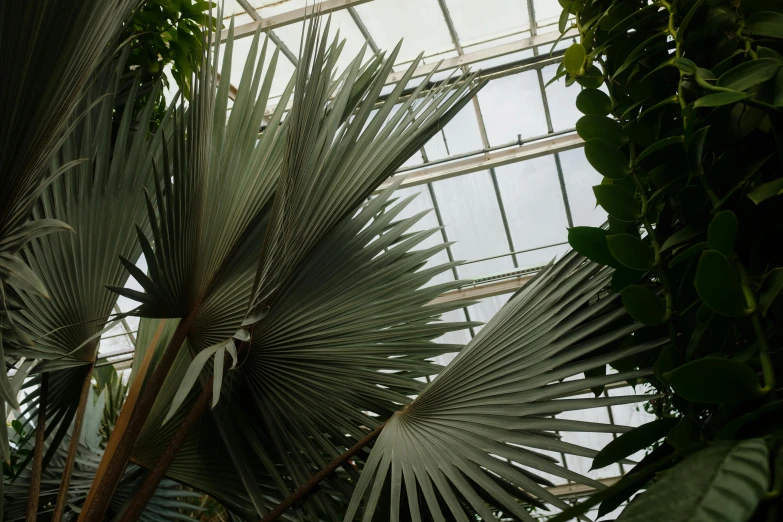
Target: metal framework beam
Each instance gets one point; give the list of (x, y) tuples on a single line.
[(293, 16), (466, 59), (497, 51), (574, 490), (489, 160), (480, 291)]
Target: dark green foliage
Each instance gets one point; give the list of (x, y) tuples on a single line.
[(163, 32), (688, 134)]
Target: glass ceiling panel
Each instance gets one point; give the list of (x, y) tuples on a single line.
[(418, 22), (547, 11), (534, 205), (500, 60), (472, 217), (561, 100), (291, 35), (479, 21), (512, 106), (420, 203), (580, 177), (461, 135)]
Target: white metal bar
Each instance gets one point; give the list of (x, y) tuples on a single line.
[(485, 54), (470, 58), (489, 160), (293, 16), (505, 286)]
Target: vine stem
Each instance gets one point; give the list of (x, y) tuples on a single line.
[(766, 360), (34, 491)]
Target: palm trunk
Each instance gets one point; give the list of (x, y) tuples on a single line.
[(73, 447), (305, 488), (40, 437), (144, 493), (132, 418)]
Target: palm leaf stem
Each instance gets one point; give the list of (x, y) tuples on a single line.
[(146, 490), (73, 446), (40, 437), (305, 488), (129, 423)]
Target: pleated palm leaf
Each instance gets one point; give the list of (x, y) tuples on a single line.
[(50, 50), (102, 199), (166, 504), (468, 442), (349, 334), (213, 215)]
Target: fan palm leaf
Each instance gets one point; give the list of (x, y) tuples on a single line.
[(165, 505), (349, 334), (209, 230), (40, 91), (474, 431), (64, 329)]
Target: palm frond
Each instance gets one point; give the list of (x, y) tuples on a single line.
[(350, 334), (41, 90), (165, 506), (477, 426), (63, 330)]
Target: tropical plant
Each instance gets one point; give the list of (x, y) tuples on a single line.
[(266, 240), (162, 34), (167, 503), (681, 105)]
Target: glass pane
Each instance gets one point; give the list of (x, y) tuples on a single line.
[(534, 205), (461, 135), (423, 203), (472, 219), (418, 22), (547, 11), (479, 21), (512, 106), (342, 22), (561, 101), (580, 177)]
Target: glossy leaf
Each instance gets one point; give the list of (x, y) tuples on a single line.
[(591, 243), (714, 380), (748, 74), (607, 159), (765, 23), (643, 305), (720, 98), (618, 202), (722, 232), (630, 251), (632, 441), (724, 481), (593, 126), (719, 285), (761, 193), (574, 58), (593, 101)]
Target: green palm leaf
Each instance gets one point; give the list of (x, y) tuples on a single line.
[(165, 505), (40, 91), (64, 329), (350, 334), (489, 407)]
